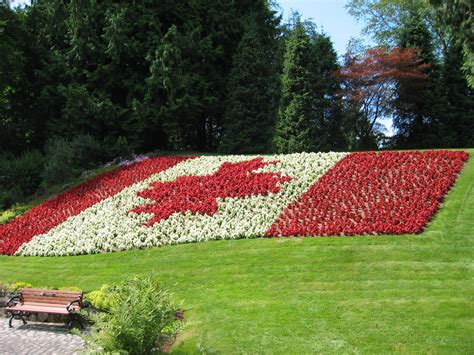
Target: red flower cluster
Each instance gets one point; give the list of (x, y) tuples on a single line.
[(198, 194), (373, 193), (46, 216)]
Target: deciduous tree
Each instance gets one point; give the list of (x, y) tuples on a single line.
[(369, 87)]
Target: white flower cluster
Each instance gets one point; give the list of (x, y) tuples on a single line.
[(109, 226)]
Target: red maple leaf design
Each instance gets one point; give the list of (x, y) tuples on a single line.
[(198, 194)]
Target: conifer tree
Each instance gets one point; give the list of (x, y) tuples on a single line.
[(294, 130), (310, 118), (328, 115), (456, 124), (250, 111), (417, 100), (19, 124)]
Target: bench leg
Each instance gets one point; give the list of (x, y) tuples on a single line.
[(74, 318), (15, 315), (70, 321), (80, 322)]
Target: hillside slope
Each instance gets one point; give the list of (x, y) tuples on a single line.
[(172, 200), (406, 293)]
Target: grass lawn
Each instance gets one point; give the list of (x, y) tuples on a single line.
[(409, 293)]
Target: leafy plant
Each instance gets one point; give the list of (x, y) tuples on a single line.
[(66, 159), (87, 151), (26, 171), (59, 162), (139, 320), (100, 299), (19, 176), (70, 288), (8, 196), (4, 289), (122, 149), (17, 286), (15, 211)]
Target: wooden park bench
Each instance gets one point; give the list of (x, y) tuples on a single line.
[(34, 300)]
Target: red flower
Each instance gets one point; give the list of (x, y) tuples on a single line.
[(199, 194), (48, 215), (373, 193)]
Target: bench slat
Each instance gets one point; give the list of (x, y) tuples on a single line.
[(52, 293), (53, 305), (43, 299), (38, 309), (35, 300)]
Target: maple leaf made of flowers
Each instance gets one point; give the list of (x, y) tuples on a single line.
[(199, 194)]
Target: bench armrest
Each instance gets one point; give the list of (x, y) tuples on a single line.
[(11, 301), (79, 303)]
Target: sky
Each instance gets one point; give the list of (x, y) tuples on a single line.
[(329, 16)]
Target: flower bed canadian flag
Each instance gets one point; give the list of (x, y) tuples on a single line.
[(167, 200)]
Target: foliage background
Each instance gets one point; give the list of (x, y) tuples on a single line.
[(83, 82)]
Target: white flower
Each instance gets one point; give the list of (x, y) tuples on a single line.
[(110, 226)]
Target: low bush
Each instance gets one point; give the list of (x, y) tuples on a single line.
[(88, 152), (65, 159), (4, 289), (60, 165), (9, 196), (100, 299), (139, 319), (17, 286), (15, 211), (26, 171), (19, 176), (117, 148), (122, 149)]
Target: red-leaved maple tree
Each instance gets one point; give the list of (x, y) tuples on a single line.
[(369, 82)]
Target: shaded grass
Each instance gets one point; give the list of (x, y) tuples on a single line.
[(410, 293)]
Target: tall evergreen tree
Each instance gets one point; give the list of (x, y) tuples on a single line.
[(294, 130), (327, 115), (153, 72), (250, 106), (456, 19), (456, 122), (417, 101), (20, 128), (310, 118)]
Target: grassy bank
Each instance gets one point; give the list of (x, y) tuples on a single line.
[(410, 293)]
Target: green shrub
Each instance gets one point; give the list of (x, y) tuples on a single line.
[(122, 148), (26, 171), (100, 299), (118, 148), (6, 216), (87, 151), (17, 286), (60, 165), (140, 317), (19, 177), (5, 289), (9, 196), (65, 159), (15, 211)]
